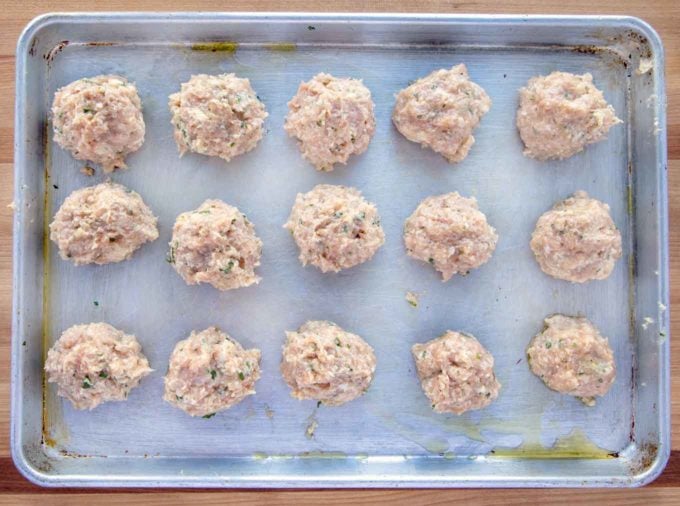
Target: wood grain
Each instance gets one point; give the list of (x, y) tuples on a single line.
[(663, 15), (656, 496)]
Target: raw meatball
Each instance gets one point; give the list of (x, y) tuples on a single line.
[(95, 363), (441, 111), (571, 357), (456, 373), (215, 244), (577, 240), (332, 119), (560, 114), (99, 119), (209, 372), (217, 116), (323, 362), (335, 227), (450, 233), (102, 224)]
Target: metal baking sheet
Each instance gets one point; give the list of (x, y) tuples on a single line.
[(530, 436)]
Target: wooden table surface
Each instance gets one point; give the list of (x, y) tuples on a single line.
[(663, 15)]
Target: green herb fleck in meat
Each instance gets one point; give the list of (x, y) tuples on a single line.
[(170, 257), (228, 268)]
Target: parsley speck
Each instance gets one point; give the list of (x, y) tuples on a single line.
[(228, 268)]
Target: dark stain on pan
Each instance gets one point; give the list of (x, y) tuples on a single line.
[(75, 455), (47, 205), (646, 456), (615, 57), (631, 436), (588, 49), (101, 43), (627, 44), (35, 456), (638, 39), (49, 56), (31, 51), (633, 374)]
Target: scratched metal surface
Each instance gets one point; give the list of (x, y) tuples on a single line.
[(390, 436)]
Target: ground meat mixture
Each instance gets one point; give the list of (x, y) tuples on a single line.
[(441, 111), (456, 373), (577, 240), (95, 363), (450, 233), (332, 119), (335, 227), (217, 116), (99, 119), (210, 372), (571, 357), (323, 362), (102, 224), (215, 244), (560, 114)]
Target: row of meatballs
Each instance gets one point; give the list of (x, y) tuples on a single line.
[(99, 119), (210, 372), (335, 228)]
